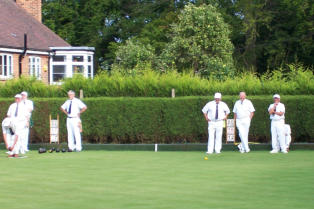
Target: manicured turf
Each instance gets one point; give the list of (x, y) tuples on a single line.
[(129, 179)]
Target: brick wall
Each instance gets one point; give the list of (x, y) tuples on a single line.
[(16, 65), (44, 69), (33, 7), (25, 67)]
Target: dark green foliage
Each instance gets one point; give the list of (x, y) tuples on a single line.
[(163, 120), (266, 34)]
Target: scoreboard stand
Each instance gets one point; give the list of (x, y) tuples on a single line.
[(230, 131)]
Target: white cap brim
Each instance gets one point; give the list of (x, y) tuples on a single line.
[(24, 93), (217, 95), (276, 96)]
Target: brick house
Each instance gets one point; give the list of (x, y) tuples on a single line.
[(29, 48)]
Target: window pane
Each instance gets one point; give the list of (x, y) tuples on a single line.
[(77, 69), (59, 69), (5, 65), (1, 57), (77, 58), (38, 71), (89, 58), (90, 71), (58, 58), (10, 65), (58, 72), (57, 77)]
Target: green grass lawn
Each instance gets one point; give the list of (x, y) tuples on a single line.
[(130, 179)]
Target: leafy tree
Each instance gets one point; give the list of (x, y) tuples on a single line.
[(62, 16), (289, 36), (200, 40), (266, 34), (134, 53)]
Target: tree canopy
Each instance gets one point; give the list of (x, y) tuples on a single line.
[(266, 34), (200, 41)]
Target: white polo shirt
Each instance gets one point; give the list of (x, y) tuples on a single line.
[(29, 104), (76, 107), (20, 109), (280, 108), (210, 110), (243, 108)]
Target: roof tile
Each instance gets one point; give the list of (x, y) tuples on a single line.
[(15, 22)]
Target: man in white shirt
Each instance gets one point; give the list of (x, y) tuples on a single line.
[(19, 117), (277, 116), (73, 108), (215, 112), (243, 112), (10, 138), (29, 107)]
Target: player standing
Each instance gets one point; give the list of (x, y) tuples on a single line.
[(73, 108), (215, 112)]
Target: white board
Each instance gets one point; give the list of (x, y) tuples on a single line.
[(230, 131), (54, 131)]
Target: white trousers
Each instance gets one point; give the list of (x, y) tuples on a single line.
[(17, 147), (21, 131), (24, 139), (278, 140), (243, 126), (287, 135), (74, 135), (214, 136)]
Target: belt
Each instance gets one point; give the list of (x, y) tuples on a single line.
[(72, 117), (215, 120), (277, 120), (244, 118)]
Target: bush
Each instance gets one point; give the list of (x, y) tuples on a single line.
[(134, 53), (163, 120), (200, 41), (149, 83)]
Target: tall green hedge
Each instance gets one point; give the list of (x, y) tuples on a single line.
[(148, 83), (163, 120)]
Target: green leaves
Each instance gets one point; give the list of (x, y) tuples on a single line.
[(143, 81), (200, 40), (134, 53), (163, 120)]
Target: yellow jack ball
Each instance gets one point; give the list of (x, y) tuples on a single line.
[(205, 158)]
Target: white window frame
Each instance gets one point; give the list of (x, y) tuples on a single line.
[(58, 63), (34, 67), (8, 66), (69, 63)]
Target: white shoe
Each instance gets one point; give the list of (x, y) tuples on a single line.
[(274, 151), (209, 153), (285, 152), (247, 151), (240, 148), (218, 152)]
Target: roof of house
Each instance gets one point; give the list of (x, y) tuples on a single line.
[(15, 22)]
